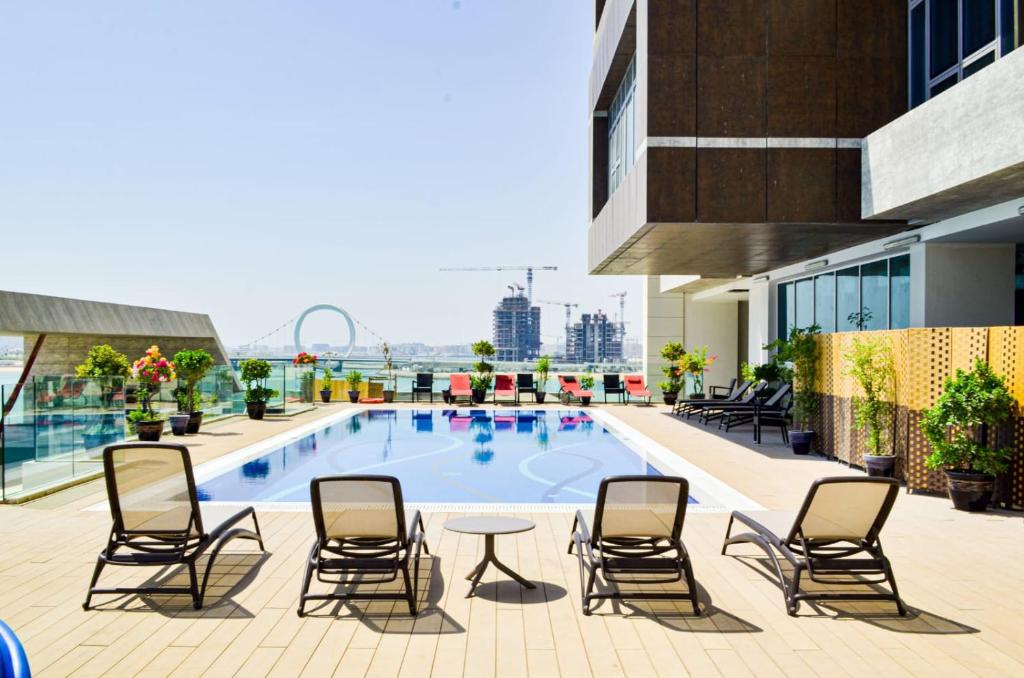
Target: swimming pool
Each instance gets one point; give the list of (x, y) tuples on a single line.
[(459, 457)]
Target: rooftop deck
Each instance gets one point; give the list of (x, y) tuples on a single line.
[(959, 573)]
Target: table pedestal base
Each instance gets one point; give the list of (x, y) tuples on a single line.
[(490, 559)]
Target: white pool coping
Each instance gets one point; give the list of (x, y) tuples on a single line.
[(712, 494)]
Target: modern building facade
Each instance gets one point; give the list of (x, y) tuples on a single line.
[(766, 164), (594, 339), (516, 329)]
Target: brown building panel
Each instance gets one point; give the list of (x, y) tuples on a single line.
[(730, 185), (671, 183), (802, 27), (671, 95), (801, 185), (730, 96), (801, 96), (867, 95), (848, 184), (672, 27), (730, 27)]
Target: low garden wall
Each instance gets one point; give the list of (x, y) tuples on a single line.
[(923, 359)]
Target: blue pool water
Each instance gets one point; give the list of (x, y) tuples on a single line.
[(448, 456)]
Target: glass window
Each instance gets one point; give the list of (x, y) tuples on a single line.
[(874, 295), (943, 85), (979, 64), (942, 32), (825, 302), (621, 133), (918, 77), (805, 302), (1007, 22), (899, 292), (979, 24), (847, 299), (786, 310)]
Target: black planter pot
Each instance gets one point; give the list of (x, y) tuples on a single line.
[(389, 396), (195, 420), (446, 395), (585, 400), (670, 398), (801, 441), (353, 396), (179, 424), (149, 431), (540, 397), (325, 395), (970, 491), (696, 396), (880, 466), (479, 395), (256, 410)]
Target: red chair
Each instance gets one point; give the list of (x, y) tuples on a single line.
[(505, 388), (461, 388), (635, 388), (569, 388)]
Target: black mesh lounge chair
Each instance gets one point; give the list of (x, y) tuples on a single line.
[(756, 397), (424, 384), (685, 406), (722, 392), (773, 412), (157, 522), (633, 537), (524, 384), (362, 538), (834, 538), (613, 385)]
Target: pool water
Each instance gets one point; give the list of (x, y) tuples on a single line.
[(445, 456)]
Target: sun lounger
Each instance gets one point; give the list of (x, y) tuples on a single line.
[(504, 388), (722, 392), (633, 537), (635, 388), (362, 538), (461, 387), (157, 521), (834, 538), (773, 412), (739, 394), (569, 388)]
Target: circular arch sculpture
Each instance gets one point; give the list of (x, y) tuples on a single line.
[(327, 307)]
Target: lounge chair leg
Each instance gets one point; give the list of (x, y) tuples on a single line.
[(411, 597), (197, 597), (887, 569), (92, 584), (306, 579), (792, 604), (728, 531), (691, 584), (572, 535)]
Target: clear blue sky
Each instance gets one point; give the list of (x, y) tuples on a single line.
[(248, 159)]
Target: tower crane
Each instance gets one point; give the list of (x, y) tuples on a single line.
[(622, 312), (513, 287), (529, 273), (568, 318)]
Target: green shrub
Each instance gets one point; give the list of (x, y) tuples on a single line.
[(255, 373), (870, 363), (103, 361), (354, 378), (672, 352), (191, 366)]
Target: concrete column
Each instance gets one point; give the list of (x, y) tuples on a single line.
[(759, 323), (962, 284), (662, 322)]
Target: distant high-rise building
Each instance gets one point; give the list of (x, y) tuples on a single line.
[(516, 329), (594, 339)]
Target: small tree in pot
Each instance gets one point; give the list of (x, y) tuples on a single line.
[(696, 363), (354, 378), (149, 372), (481, 381), (326, 387), (870, 363), (307, 377), (800, 352), (672, 352), (108, 367), (957, 426), (255, 373), (543, 370), (586, 384), (389, 385), (192, 366)]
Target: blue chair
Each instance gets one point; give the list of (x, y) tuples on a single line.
[(13, 661)]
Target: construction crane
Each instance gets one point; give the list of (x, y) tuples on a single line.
[(622, 312), (513, 287), (529, 273), (568, 318)]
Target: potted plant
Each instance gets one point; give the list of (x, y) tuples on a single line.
[(389, 385), (307, 375), (325, 385), (957, 427), (108, 367), (543, 370), (800, 351), (255, 373), (672, 352), (354, 378), (192, 366), (870, 363), (696, 363), (149, 372), (481, 381), (586, 383)]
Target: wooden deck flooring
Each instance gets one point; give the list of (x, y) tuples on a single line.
[(961, 575)]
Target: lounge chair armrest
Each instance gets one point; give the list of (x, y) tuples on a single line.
[(216, 532), (582, 527), (415, 534)]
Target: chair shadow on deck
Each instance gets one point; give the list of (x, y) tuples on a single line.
[(771, 442), (232, 573), (391, 616), (881, 614)]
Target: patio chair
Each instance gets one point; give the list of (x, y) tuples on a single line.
[(157, 521), (424, 384), (362, 538), (635, 388), (688, 407), (613, 385), (722, 392), (716, 409), (504, 388), (633, 537), (13, 660), (834, 538), (461, 387), (773, 412), (569, 387), (524, 384)]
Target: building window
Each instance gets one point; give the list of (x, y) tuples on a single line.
[(951, 40), (871, 296), (621, 130)]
